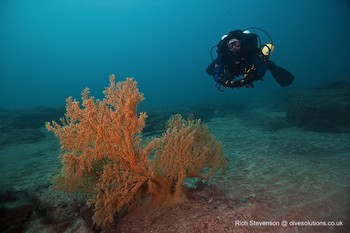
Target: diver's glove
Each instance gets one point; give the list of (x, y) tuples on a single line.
[(252, 77), (225, 79), (234, 83)]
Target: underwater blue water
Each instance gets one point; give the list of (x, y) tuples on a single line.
[(50, 49)]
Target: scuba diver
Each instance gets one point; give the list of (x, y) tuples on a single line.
[(241, 61)]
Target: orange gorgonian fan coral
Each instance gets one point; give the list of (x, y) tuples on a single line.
[(103, 154), (186, 149)]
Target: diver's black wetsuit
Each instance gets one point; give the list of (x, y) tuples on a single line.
[(248, 61)]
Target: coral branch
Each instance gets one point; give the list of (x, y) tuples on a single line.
[(101, 148), (187, 149)]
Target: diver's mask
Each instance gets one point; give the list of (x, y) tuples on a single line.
[(234, 45)]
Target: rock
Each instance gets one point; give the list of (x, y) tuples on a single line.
[(23, 125), (28, 118), (58, 208), (13, 219), (15, 211), (322, 109), (18, 136)]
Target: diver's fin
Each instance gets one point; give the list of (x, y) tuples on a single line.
[(282, 76), (210, 69)]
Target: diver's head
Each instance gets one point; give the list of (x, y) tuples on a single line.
[(234, 45)]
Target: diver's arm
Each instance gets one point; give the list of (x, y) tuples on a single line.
[(257, 73), (224, 78), (218, 70), (260, 65)]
